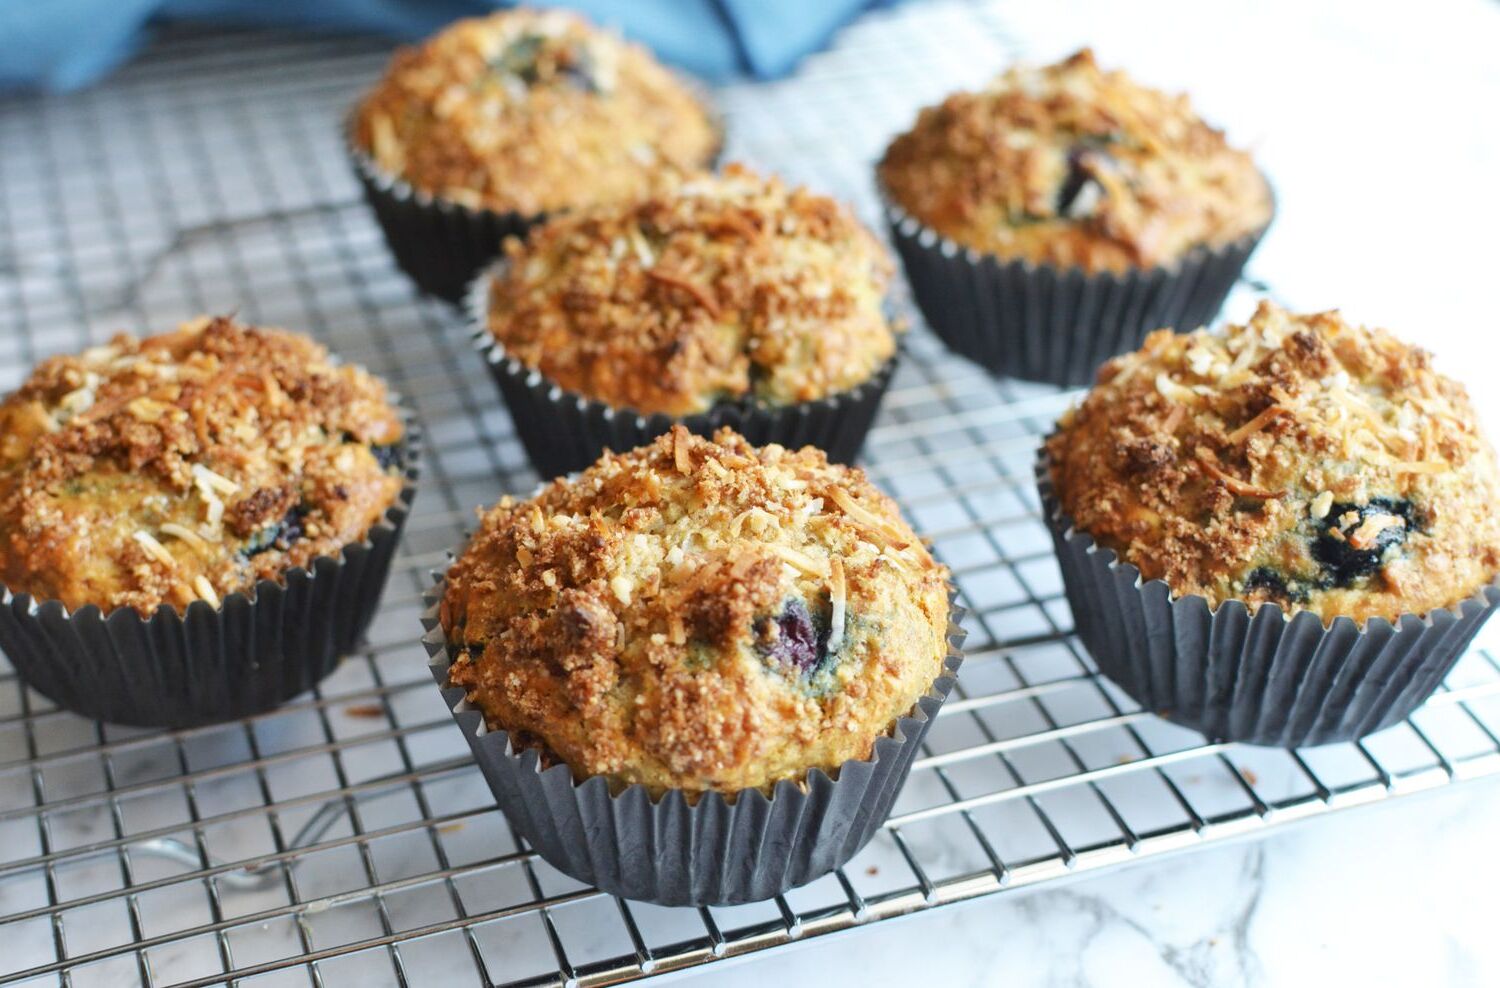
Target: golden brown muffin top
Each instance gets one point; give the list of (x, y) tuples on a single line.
[(1070, 165), (1295, 459), (532, 111), (187, 466), (728, 286), (699, 615)]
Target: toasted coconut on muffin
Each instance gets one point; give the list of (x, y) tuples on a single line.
[(189, 465), (698, 614), (724, 287), (531, 112), (1069, 165), (1296, 459)]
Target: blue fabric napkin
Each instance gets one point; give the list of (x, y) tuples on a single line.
[(64, 44)]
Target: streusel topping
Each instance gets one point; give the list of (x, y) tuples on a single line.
[(187, 466), (1070, 165), (726, 287), (1296, 459), (532, 112), (698, 614)]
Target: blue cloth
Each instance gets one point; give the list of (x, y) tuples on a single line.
[(64, 44)]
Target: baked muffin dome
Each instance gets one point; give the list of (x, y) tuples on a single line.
[(1295, 459), (188, 466), (1069, 165), (726, 287), (698, 614), (531, 111)]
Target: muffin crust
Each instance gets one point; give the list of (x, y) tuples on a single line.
[(531, 111), (1072, 166), (1297, 459), (188, 466), (726, 287), (698, 614)]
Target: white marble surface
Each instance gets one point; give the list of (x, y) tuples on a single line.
[(1393, 895), (1377, 122)]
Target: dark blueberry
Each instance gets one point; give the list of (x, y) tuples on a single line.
[(1342, 563), (519, 58), (579, 72), (278, 535), (760, 379), (1082, 160), (388, 455), (1274, 584), (522, 59), (794, 637)]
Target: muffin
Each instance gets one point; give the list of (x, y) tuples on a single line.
[(170, 499), (726, 300), (1051, 219), (1310, 507), (497, 121), (747, 640)]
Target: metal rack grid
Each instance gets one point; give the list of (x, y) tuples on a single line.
[(347, 838)]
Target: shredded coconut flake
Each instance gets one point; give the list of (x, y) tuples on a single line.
[(836, 594), (155, 549), (206, 478), (798, 560), (184, 533), (205, 589)]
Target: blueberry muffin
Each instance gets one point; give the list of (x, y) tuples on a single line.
[(1051, 219), (1073, 166), (726, 287), (698, 615), (727, 290), (1296, 459), (531, 112), (187, 466)]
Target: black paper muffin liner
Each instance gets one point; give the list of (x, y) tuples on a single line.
[(210, 664), (1263, 677), (442, 244), (439, 243), (1050, 324), (563, 431), (715, 851)]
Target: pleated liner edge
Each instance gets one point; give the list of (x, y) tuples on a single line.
[(563, 431), (208, 665), (1261, 678), (442, 244), (713, 852), (1049, 324)]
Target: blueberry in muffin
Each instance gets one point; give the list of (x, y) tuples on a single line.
[(726, 290), (187, 466), (498, 120), (195, 526), (1074, 166), (1298, 461), (1023, 208), (1295, 459), (532, 112), (698, 615)]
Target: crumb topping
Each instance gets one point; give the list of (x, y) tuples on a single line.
[(532, 111), (1296, 459), (187, 466), (698, 614), (727, 287), (1070, 165)]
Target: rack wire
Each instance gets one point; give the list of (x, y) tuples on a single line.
[(346, 838)]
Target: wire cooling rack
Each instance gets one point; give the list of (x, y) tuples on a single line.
[(347, 838)]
